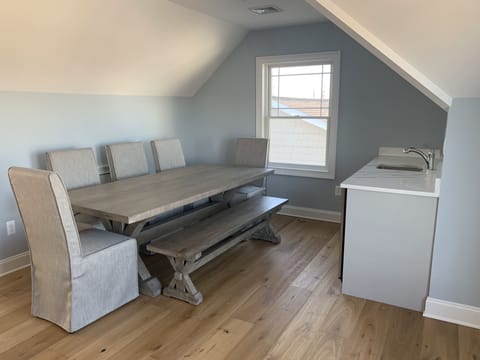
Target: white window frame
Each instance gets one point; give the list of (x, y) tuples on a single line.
[(262, 105)]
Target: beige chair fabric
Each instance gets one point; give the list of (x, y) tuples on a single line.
[(126, 160), (76, 277), (77, 168), (251, 152), (168, 154)]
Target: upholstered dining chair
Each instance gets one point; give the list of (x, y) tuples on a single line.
[(76, 277), (251, 152), (126, 160), (77, 168), (168, 154)]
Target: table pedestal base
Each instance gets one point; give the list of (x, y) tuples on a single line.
[(150, 287), (266, 233)]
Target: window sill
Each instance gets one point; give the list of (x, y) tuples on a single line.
[(318, 174)]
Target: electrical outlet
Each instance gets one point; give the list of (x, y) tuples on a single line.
[(338, 191), (11, 229)]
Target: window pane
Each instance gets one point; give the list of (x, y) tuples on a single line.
[(301, 86), (275, 71), (300, 91), (296, 70), (276, 112), (298, 141), (326, 88)]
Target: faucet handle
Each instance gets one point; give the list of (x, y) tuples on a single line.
[(431, 155)]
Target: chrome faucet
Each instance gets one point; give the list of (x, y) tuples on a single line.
[(428, 157)]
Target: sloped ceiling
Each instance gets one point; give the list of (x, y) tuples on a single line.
[(127, 47), (237, 12), (432, 43), (161, 48)]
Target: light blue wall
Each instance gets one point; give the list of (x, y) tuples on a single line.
[(456, 265), (377, 107), (34, 123)]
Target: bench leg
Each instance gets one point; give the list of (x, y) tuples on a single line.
[(181, 286), (268, 234)]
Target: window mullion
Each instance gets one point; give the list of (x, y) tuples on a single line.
[(268, 103)]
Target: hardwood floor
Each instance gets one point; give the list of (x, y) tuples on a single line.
[(261, 301)]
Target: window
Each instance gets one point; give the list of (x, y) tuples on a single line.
[(297, 109)]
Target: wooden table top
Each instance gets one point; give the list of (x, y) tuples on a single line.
[(144, 197)]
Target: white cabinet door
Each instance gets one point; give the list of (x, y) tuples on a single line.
[(388, 247)]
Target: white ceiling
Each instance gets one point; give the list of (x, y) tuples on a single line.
[(236, 12), (127, 47), (435, 44), (170, 48)]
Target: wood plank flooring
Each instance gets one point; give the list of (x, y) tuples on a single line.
[(261, 301)]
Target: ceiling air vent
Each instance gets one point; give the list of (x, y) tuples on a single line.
[(263, 10)]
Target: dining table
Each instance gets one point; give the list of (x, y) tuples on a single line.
[(130, 206)]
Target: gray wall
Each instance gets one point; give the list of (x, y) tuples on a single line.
[(377, 107), (34, 123), (456, 265)]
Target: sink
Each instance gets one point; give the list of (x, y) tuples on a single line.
[(399, 167)]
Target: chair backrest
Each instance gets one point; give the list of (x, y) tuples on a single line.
[(126, 160), (251, 152), (168, 154), (52, 234), (76, 167)]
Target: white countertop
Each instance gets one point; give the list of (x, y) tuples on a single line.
[(424, 183)]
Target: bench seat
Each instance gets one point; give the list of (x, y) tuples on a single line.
[(197, 244)]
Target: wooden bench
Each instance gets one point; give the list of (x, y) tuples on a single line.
[(196, 245)]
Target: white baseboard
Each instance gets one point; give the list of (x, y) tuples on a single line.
[(309, 213), (452, 312), (14, 263)]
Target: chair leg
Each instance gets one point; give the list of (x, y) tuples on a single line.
[(181, 286)]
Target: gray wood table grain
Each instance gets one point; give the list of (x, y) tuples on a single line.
[(125, 206)]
